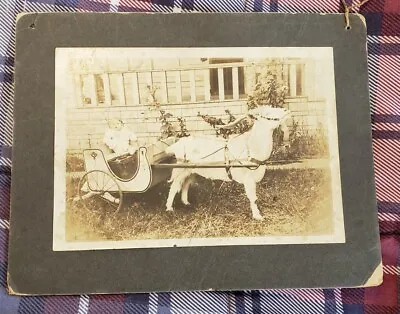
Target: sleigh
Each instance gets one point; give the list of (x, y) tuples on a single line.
[(111, 179)]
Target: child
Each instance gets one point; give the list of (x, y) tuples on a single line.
[(120, 139)]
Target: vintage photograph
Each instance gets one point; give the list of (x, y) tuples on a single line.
[(164, 147)]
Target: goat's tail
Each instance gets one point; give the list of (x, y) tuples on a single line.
[(179, 148), (179, 174)]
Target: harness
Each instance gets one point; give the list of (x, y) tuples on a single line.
[(227, 161), (249, 158), (228, 166)]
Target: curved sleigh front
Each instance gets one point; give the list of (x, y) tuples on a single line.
[(133, 173)]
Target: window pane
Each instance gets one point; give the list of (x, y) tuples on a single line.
[(172, 85), (299, 79), (185, 81), (128, 86), (115, 97), (100, 89), (241, 81), (228, 79), (214, 87), (199, 80), (86, 88)]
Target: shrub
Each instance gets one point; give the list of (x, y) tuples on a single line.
[(74, 163), (167, 129), (303, 144), (269, 89)]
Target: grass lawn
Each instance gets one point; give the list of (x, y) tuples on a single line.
[(293, 202)]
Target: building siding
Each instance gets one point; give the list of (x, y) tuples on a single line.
[(86, 126), (86, 123)]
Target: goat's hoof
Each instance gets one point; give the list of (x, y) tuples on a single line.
[(75, 199), (169, 209), (186, 203), (258, 217)]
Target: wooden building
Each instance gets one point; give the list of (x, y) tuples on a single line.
[(98, 89)]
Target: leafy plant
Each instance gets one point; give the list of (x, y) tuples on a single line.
[(183, 131), (269, 89), (214, 122), (167, 129), (152, 99), (74, 163), (231, 116), (240, 128), (303, 143)]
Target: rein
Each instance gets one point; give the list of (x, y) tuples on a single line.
[(228, 167)]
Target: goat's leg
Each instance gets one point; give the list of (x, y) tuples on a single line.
[(185, 190), (176, 186), (250, 188), (173, 190)]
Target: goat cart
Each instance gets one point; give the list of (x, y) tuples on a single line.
[(109, 180)]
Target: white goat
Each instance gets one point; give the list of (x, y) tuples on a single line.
[(254, 146)]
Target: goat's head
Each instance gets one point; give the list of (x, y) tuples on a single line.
[(274, 116), (265, 114)]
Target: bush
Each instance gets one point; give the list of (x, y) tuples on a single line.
[(74, 163), (167, 128), (269, 89), (303, 144)]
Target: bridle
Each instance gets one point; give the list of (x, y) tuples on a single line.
[(264, 162)]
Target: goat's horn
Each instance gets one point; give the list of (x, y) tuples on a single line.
[(232, 124)]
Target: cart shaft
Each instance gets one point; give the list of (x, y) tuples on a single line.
[(191, 165)]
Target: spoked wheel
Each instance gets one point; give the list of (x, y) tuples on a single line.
[(99, 190)]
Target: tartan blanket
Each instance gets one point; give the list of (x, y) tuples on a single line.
[(383, 17)]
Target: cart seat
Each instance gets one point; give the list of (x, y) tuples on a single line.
[(124, 167)]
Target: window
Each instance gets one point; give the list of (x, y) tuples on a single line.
[(115, 89), (92, 90), (86, 93), (100, 89), (295, 75), (228, 79), (299, 79)]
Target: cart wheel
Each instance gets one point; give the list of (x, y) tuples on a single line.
[(98, 189)]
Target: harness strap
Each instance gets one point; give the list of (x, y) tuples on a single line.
[(228, 172), (258, 162), (227, 167)]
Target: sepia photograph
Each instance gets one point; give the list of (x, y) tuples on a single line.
[(180, 147)]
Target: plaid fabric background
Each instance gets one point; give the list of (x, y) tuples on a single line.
[(383, 17)]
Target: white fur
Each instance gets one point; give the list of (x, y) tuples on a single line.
[(256, 143)]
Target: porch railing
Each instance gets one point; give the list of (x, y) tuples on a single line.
[(203, 83)]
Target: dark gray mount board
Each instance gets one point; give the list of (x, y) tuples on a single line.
[(34, 268)]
